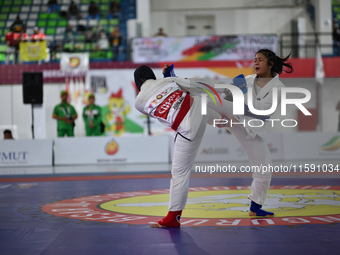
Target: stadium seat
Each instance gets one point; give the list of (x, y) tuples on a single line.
[(41, 23), (62, 23), (43, 16), (51, 23)]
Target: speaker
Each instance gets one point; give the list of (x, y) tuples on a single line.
[(32, 85)]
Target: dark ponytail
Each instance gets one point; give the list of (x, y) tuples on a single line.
[(277, 62)]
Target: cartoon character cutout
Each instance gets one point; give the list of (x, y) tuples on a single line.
[(115, 113)]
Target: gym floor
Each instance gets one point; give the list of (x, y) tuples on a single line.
[(109, 210)]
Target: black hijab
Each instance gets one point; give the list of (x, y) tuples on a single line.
[(143, 73)]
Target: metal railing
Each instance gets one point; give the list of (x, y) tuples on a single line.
[(303, 45)]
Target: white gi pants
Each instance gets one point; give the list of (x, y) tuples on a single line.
[(183, 158), (256, 150), (185, 152)]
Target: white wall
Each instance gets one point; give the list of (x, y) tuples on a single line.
[(231, 17)]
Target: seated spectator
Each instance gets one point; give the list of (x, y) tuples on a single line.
[(73, 11), (102, 41), (115, 42), (115, 11), (53, 6), (11, 47), (8, 134), (90, 35), (18, 25), (93, 12), (160, 33), (37, 36), (69, 35)]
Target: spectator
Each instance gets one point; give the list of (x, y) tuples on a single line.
[(115, 42), (53, 6), (160, 33), (93, 12), (69, 35), (11, 47), (18, 25), (336, 37), (90, 35), (102, 41), (65, 114), (37, 36), (73, 11), (20, 37), (8, 134), (92, 118), (115, 11)]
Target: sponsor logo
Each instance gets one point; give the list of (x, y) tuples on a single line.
[(332, 145), (159, 96), (219, 206), (163, 109), (74, 62), (111, 147), (13, 157)]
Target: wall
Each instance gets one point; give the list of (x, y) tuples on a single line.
[(231, 17)]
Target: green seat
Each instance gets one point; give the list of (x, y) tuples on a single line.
[(68, 46), (7, 2), (27, 2), (50, 31), (2, 23), (2, 56), (103, 22), (5, 9), (62, 23), (338, 16), (109, 55), (3, 16), (53, 16), (104, 8), (52, 23), (17, 2), (43, 15), (41, 23), (114, 22), (336, 9), (105, 1), (86, 1), (15, 9)]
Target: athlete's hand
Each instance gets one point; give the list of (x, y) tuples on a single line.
[(165, 69)]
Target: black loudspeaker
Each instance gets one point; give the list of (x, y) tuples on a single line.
[(32, 88)]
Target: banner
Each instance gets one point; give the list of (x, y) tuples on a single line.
[(200, 48), (108, 150), (74, 62), (311, 145), (26, 153), (33, 51)]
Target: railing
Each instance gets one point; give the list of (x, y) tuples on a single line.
[(303, 45)]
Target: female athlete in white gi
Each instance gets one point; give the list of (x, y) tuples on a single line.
[(169, 101)]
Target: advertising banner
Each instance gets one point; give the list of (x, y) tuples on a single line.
[(313, 145), (14, 153), (200, 48), (108, 150)]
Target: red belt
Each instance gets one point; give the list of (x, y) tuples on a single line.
[(185, 107)]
